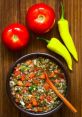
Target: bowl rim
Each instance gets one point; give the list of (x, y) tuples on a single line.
[(31, 55)]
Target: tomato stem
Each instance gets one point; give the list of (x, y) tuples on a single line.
[(40, 18)]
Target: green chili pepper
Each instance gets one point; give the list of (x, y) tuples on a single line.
[(63, 27), (56, 46)]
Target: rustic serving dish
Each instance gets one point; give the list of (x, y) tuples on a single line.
[(31, 56)]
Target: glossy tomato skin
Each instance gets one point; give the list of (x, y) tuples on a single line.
[(40, 18), (15, 36)]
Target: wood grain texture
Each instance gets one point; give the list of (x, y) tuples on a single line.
[(15, 11)]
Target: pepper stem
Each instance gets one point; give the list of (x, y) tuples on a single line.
[(41, 38), (62, 11)]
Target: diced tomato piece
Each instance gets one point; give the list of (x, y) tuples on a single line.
[(42, 76), (49, 98), (46, 86), (31, 75), (20, 83), (28, 84), (28, 62), (42, 97), (24, 90), (34, 102), (35, 81), (52, 74), (56, 71), (17, 73), (23, 77), (29, 106), (37, 68), (56, 81)]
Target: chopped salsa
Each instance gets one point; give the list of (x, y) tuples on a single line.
[(29, 87)]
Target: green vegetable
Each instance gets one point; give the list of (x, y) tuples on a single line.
[(56, 46), (32, 88), (24, 68), (63, 27)]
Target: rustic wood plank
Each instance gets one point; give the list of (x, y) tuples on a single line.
[(8, 15), (73, 14)]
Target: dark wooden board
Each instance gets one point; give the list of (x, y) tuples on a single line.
[(12, 11)]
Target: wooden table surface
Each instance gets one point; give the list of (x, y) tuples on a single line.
[(12, 11)]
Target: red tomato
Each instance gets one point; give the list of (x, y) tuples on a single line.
[(15, 36), (40, 18)]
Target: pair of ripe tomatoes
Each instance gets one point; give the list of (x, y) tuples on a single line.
[(40, 18)]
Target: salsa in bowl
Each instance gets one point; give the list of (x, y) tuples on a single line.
[(27, 86)]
